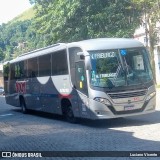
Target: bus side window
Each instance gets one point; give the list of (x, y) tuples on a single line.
[(17, 71), (59, 63), (23, 69), (45, 65), (6, 71), (12, 72), (33, 68)]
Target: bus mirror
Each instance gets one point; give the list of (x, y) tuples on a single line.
[(81, 55)]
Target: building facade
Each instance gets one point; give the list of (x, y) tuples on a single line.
[(1, 75), (142, 36)]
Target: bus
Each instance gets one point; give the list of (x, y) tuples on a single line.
[(99, 78)]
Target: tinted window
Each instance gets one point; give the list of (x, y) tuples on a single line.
[(59, 63), (23, 69), (26, 68), (17, 70), (73, 57), (45, 65), (6, 71), (12, 71), (105, 67), (33, 67)]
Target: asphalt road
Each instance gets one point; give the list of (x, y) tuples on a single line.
[(45, 132)]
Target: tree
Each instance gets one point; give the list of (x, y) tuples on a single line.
[(15, 34), (151, 13), (72, 20), (1, 54)]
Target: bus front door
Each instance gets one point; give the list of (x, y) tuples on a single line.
[(81, 87)]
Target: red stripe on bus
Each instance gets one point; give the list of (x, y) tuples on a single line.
[(21, 87), (65, 96)]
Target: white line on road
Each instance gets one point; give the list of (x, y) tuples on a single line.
[(5, 115)]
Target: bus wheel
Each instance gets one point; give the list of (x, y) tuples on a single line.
[(69, 115), (23, 106)]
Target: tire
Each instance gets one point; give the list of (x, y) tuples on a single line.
[(23, 106), (69, 115)]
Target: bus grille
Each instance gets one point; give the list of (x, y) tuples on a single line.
[(127, 94)]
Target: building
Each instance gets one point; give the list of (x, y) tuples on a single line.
[(142, 36), (1, 74)]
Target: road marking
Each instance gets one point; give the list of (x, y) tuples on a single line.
[(5, 115)]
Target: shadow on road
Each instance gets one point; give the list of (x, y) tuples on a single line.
[(151, 118)]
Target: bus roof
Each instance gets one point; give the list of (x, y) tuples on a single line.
[(91, 44), (107, 43), (39, 52)]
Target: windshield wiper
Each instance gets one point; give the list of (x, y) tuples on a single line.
[(119, 69)]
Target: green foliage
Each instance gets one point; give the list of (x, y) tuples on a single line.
[(1, 54), (73, 20), (151, 10), (12, 35), (55, 21)]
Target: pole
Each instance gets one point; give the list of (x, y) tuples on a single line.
[(146, 29)]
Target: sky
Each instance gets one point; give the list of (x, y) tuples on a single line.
[(9, 9)]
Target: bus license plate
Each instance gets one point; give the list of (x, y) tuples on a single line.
[(129, 107)]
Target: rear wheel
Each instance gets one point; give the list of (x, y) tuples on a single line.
[(69, 115), (23, 106)]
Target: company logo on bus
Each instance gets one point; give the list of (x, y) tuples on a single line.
[(21, 87), (136, 99), (133, 100)]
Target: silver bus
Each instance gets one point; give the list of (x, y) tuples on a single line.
[(95, 79)]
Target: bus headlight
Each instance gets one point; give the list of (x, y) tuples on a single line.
[(102, 100), (150, 96)]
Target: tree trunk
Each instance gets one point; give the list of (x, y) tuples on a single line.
[(151, 48)]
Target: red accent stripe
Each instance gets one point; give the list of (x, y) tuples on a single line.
[(65, 96)]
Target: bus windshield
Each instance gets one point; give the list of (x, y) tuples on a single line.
[(123, 67)]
